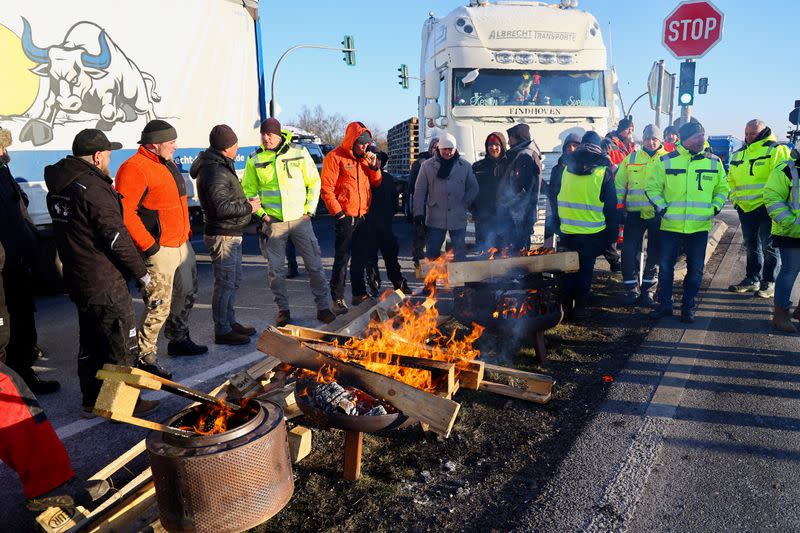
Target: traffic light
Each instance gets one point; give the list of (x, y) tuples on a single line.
[(349, 50), (702, 86), (686, 83), (403, 70)]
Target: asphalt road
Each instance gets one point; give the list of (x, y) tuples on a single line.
[(95, 442), (698, 433)]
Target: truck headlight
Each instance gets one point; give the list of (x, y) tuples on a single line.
[(524, 58), (504, 57)]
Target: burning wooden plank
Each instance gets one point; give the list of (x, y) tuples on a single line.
[(359, 324), (468, 372), (461, 272), (439, 412), (442, 375)]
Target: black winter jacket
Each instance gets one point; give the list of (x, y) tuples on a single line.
[(225, 208), (17, 232), (94, 246), (384, 202)]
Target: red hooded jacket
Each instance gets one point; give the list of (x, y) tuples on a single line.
[(346, 179)]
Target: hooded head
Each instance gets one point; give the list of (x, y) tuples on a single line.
[(355, 133), (571, 139), (495, 138), (519, 134), (588, 156)]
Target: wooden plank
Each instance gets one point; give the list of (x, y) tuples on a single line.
[(358, 326), (513, 392), (354, 312), (111, 503), (440, 413), (116, 397), (353, 444), (57, 520), (134, 380), (470, 373), (539, 383), (128, 511), (312, 334), (461, 272), (442, 373), (299, 443), (171, 386)]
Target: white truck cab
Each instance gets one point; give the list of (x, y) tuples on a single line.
[(489, 65)]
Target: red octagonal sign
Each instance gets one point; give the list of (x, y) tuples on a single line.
[(692, 29)]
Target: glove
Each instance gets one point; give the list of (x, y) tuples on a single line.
[(419, 220), (716, 211)]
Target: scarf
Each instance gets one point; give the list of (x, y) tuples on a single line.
[(446, 166)]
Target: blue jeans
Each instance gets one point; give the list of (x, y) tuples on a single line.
[(762, 257), (695, 246), (435, 240), (790, 268), (226, 263)]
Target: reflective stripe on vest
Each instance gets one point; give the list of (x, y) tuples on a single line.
[(580, 209)]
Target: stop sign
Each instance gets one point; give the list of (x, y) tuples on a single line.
[(692, 29)]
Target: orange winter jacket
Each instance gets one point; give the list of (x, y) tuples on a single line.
[(154, 204), (346, 179)]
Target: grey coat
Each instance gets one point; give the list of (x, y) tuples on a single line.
[(444, 202)]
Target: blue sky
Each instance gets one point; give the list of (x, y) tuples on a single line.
[(750, 71)]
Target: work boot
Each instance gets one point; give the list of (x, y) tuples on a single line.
[(231, 338), (767, 290), (660, 312), (646, 300), (403, 286), (282, 318), (687, 316), (37, 385), (243, 330), (70, 494), (153, 368), (339, 307), (186, 347), (87, 412), (631, 299), (144, 407), (359, 299), (746, 285), (782, 321), (293, 272), (326, 315)]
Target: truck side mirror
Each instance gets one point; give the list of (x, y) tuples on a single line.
[(432, 85), (432, 110), (469, 77)]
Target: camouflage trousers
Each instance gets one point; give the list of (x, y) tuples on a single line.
[(169, 298)]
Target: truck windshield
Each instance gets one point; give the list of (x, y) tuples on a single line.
[(495, 87)]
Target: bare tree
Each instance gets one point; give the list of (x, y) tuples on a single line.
[(328, 127), (379, 136)]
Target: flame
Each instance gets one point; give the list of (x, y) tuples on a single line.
[(505, 253), (211, 419), (511, 306), (413, 331)]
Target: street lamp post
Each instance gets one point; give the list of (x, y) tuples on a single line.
[(273, 103)]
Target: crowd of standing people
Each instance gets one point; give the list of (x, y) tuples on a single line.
[(137, 228)]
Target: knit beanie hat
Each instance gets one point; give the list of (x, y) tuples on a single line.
[(651, 130), (591, 141), (222, 137), (364, 138), (624, 124), (689, 129), (157, 132), (447, 141), (271, 125)]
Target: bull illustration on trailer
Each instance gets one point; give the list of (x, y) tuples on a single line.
[(83, 79)]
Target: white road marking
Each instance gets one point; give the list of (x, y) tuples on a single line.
[(74, 428)]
